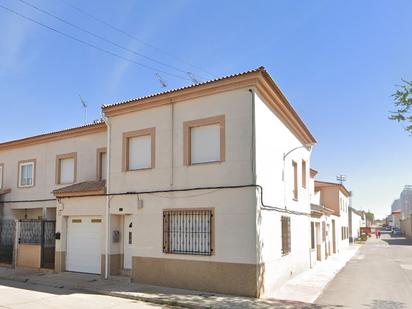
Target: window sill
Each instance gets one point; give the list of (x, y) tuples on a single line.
[(24, 187), (205, 163), (139, 169)]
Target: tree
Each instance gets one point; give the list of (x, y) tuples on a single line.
[(403, 103), (370, 218)]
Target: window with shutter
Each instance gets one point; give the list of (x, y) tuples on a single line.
[(286, 237)]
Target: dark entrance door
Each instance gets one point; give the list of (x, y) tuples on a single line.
[(48, 244), (7, 230)]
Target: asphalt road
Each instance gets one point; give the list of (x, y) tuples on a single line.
[(23, 295), (379, 276)]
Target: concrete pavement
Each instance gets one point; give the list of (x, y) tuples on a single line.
[(308, 286), (18, 295), (379, 276), (122, 287)]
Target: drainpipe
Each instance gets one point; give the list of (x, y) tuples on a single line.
[(107, 208)]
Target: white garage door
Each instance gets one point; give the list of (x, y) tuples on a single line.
[(83, 244)]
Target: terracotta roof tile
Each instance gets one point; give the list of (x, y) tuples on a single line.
[(96, 186)]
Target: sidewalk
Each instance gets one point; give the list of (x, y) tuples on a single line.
[(300, 292), (121, 287), (308, 286)]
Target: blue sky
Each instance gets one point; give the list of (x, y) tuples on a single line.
[(337, 61)]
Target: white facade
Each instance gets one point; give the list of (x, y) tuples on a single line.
[(234, 169)]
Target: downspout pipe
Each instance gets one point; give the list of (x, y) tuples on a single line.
[(107, 208)]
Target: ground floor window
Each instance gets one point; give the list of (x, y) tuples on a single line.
[(188, 231), (312, 235), (285, 226)]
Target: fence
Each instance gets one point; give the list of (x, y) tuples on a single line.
[(7, 237)]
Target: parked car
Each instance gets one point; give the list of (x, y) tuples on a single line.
[(396, 232)]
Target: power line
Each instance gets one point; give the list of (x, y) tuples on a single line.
[(90, 44), (102, 38), (133, 37)]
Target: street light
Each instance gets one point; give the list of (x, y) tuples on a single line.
[(308, 147)]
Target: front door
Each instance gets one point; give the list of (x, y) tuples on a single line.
[(127, 241)]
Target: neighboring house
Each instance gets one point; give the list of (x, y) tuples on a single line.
[(396, 218), (404, 204), (356, 221), (321, 224), (207, 188), (336, 197), (31, 168)]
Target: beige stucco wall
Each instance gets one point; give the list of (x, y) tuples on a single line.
[(406, 226), (45, 155), (236, 169), (28, 255)]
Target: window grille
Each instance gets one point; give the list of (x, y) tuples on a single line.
[(188, 231), (285, 225)]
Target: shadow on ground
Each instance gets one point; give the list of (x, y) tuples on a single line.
[(386, 304), (183, 300), (398, 241)]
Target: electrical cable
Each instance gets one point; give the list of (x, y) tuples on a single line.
[(102, 38), (133, 37), (260, 190), (89, 44)]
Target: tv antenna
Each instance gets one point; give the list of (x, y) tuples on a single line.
[(161, 80), (341, 178), (193, 78), (85, 108)]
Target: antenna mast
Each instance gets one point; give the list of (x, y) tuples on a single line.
[(341, 178), (85, 108)]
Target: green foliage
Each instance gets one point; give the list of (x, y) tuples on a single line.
[(370, 216), (403, 104)]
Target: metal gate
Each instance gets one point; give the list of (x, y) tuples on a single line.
[(48, 244), (7, 235), (42, 233)]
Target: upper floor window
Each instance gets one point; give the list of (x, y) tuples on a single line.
[(27, 171), (204, 140), (101, 163), (303, 173), (66, 168), (295, 180), (1, 175), (139, 149)]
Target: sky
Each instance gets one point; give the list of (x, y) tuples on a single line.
[(338, 62)]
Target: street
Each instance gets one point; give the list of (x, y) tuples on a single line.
[(23, 295), (379, 276)]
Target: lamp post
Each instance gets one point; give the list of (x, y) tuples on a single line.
[(308, 147)]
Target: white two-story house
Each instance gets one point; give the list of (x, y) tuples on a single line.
[(206, 188)]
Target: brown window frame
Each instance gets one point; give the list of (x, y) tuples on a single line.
[(34, 161), (187, 137), (304, 174), (71, 155), (138, 133), (1, 176), (285, 235), (295, 181), (99, 153), (205, 249), (312, 235)]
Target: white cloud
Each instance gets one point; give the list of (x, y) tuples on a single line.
[(14, 33)]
